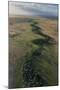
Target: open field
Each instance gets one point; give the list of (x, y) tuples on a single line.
[(33, 51)]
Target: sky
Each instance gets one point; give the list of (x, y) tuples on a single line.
[(33, 9)]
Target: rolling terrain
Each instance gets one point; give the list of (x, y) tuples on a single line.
[(33, 52)]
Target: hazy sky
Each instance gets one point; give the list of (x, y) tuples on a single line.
[(32, 9)]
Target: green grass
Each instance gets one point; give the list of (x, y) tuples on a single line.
[(37, 66)]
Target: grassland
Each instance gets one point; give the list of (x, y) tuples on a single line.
[(33, 52)]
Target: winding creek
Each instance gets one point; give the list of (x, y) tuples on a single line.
[(32, 76)]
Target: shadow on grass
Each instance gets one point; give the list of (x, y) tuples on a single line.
[(31, 77), (42, 42), (38, 30)]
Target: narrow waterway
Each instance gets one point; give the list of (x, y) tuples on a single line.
[(32, 76)]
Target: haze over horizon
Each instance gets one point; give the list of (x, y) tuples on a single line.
[(33, 9)]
